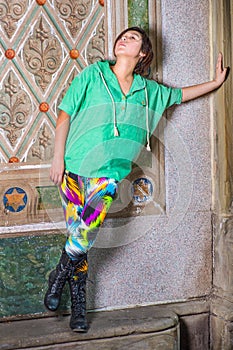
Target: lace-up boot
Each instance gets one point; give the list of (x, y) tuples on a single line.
[(77, 283), (57, 280)]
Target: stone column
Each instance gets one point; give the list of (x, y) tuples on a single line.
[(222, 301)]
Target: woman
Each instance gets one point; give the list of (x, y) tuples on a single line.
[(107, 105)]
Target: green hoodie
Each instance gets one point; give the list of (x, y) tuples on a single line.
[(107, 128)]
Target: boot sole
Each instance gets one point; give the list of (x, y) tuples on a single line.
[(79, 330)]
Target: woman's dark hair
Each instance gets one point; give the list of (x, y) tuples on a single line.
[(143, 65)]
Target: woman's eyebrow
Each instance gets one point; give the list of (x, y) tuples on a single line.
[(136, 34)]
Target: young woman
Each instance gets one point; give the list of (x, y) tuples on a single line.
[(108, 106)]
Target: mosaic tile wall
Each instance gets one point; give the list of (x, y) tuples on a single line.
[(138, 14), (25, 263)]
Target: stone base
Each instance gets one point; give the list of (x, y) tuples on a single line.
[(222, 334), (142, 328), (221, 323)]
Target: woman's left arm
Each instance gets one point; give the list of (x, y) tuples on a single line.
[(192, 92)]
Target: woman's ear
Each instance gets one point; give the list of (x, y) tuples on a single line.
[(141, 54)]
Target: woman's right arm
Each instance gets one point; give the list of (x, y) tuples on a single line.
[(62, 129)]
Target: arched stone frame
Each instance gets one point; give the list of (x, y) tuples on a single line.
[(115, 22)]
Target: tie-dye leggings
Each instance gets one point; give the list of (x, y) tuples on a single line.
[(85, 202)]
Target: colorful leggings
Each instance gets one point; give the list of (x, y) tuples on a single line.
[(85, 202)]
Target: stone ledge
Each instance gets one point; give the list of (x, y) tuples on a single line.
[(149, 327)]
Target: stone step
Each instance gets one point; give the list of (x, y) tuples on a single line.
[(141, 328)]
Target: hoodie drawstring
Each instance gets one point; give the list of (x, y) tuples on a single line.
[(147, 122), (116, 132)]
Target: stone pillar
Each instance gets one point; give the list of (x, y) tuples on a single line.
[(222, 301)]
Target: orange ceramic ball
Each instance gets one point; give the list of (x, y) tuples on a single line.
[(10, 53), (44, 107), (74, 53), (41, 2), (14, 160)]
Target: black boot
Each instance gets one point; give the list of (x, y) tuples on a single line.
[(77, 283), (57, 280)]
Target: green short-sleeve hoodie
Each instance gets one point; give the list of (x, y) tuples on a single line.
[(107, 128)]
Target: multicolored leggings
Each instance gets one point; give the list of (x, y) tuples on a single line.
[(85, 202)]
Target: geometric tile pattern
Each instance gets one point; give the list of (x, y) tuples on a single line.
[(43, 44)]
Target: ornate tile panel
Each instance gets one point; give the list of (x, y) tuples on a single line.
[(11, 13), (41, 43)]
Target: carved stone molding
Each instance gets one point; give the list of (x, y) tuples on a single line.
[(222, 34), (10, 13), (42, 54), (15, 108), (223, 256), (221, 323), (42, 149), (96, 46), (67, 85), (116, 18), (74, 12)]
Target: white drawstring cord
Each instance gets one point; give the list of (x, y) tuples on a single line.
[(116, 132), (147, 122)]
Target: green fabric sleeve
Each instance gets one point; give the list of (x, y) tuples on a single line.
[(162, 97)]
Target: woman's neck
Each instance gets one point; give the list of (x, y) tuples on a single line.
[(124, 73), (124, 68)]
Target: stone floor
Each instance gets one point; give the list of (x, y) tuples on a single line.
[(142, 328)]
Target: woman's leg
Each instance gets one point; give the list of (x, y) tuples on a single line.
[(56, 282), (86, 202), (58, 277), (87, 211)]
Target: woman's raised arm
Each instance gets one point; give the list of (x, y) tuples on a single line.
[(192, 92)]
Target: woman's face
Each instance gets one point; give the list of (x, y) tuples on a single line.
[(129, 44)]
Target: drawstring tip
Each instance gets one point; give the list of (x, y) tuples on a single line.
[(116, 132), (148, 147)]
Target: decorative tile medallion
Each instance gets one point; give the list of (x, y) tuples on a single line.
[(142, 190), (11, 13), (15, 199)]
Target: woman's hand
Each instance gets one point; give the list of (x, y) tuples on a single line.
[(220, 72), (57, 171)]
